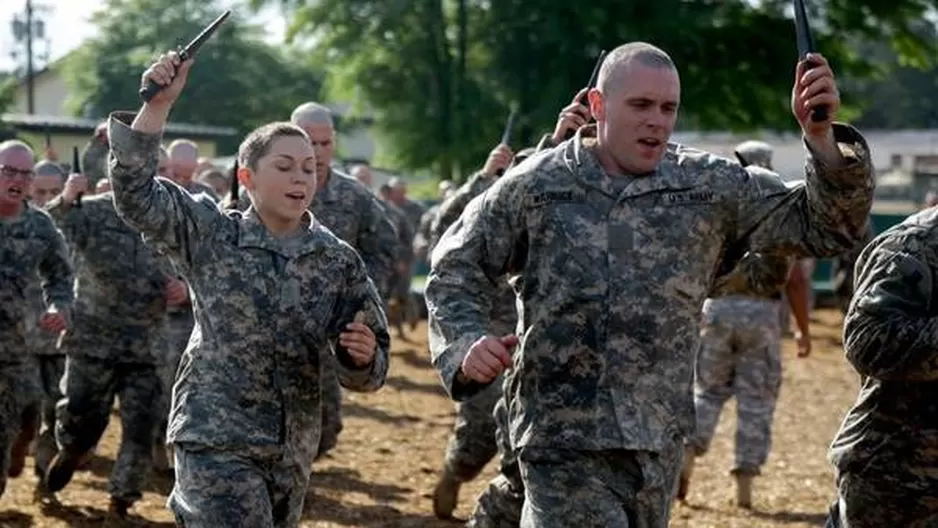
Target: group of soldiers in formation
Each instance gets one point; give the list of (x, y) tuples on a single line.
[(593, 302)]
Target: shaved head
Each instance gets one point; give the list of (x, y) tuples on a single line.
[(931, 199), (17, 155), (398, 190), (217, 180), (16, 159), (614, 70), (47, 183), (635, 104), (15, 146), (184, 148), (312, 114), (184, 159), (316, 120), (49, 168), (164, 169)]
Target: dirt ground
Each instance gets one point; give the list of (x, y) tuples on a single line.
[(390, 452)]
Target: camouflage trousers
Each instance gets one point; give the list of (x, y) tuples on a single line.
[(399, 291), (49, 370), (739, 355), (887, 492), (627, 489), (331, 405), (401, 282), (18, 408), (473, 445), (170, 347), (216, 488), (500, 504), (90, 386), (784, 316)]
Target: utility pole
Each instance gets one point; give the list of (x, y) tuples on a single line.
[(27, 29), (30, 86)]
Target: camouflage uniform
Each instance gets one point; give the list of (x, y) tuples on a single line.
[(600, 387), (348, 209), (473, 443), (424, 234), (48, 368), (29, 244), (398, 301), (754, 153), (94, 161), (842, 270), (168, 350), (414, 212), (886, 450), (120, 309), (246, 414), (405, 237), (175, 337), (401, 291), (196, 187), (740, 355), (501, 502)]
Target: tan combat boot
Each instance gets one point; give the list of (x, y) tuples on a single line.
[(690, 458), (744, 490), (446, 495)]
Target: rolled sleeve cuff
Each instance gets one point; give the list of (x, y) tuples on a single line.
[(129, 147), (855, 171)]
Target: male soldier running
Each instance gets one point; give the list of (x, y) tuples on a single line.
[(49, 361), (350, 211), (29, 245), (121, 296), (598, 232), (886, 452)]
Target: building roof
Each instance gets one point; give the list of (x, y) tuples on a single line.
[(43, 123)]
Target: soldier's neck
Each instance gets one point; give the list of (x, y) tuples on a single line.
[(9, 211), (279, 226), (323, 181)]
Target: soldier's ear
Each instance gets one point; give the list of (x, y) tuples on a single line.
[(246, 177), (596, 106)]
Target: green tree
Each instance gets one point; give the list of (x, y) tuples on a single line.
[(440, 75), (410, 64), (237, 81), (8, 86), (896, 96)]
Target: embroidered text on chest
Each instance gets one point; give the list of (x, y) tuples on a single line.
[(553, 196), (704, 196)]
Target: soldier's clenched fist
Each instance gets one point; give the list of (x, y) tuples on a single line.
[(488, 357)]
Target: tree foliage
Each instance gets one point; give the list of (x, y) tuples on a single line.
[(8, 85), (440, 75), (238, 81), (897, 95)]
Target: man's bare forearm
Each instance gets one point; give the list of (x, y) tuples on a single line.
[(151, 118)]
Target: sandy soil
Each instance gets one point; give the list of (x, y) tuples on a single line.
[(390, 453)]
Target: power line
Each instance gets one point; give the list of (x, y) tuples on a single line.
[(29, 29)]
